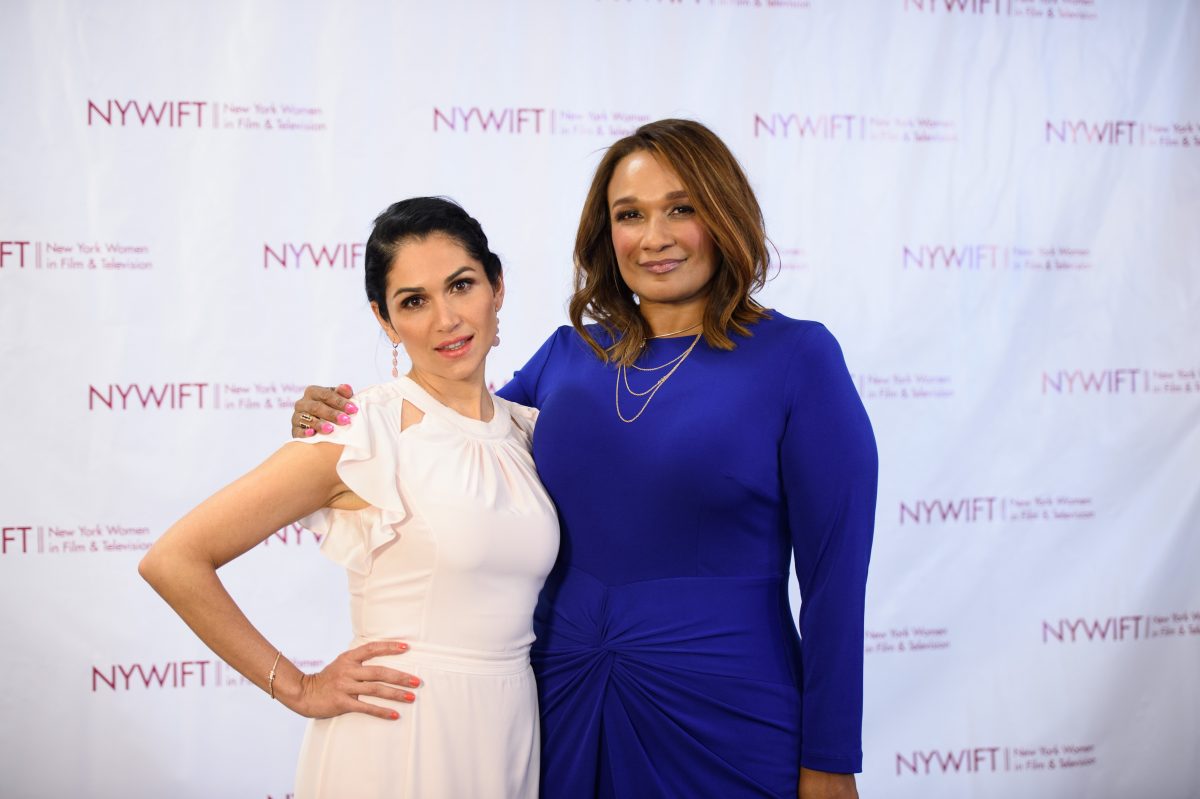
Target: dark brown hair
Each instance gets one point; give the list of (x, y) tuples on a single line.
[(419, 218), (724, 203)]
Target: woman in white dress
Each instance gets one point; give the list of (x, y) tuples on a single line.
[(432, 504)]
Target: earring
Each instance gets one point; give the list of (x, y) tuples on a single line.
[(496, 339), (395, 359)]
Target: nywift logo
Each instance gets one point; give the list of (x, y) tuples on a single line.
[(971, 760), (175, 675), (951, 257), (533, 121), (1034, 9), (960, 256), (1113, 628), (993, 7), (204, 114), (993, 759), (846, 127), (1096, 381), (1113, 131), (147, 114), (311, 255), (147, 676), (1121, 380), (964, 509), (144, 396), (1122, 629), (1121, 133), (1002, 509), (476, 119)]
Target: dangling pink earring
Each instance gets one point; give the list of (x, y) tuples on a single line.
[(496, 339), (395, 359)]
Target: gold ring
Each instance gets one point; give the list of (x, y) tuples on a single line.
[(306, 418)]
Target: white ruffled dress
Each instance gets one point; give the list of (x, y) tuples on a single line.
[(449, 558)]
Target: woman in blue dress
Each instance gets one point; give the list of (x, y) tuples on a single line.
[(693, 442)]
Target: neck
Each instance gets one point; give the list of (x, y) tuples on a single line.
[(468, 397), (665, 319)]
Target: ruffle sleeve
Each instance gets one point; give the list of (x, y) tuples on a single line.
[(367, 466)]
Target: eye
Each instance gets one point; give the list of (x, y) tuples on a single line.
[(412, 302), (682, 210), (627, 213), (461, 285)]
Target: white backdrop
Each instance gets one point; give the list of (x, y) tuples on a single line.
[(992, 203)]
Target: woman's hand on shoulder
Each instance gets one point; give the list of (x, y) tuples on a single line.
[(826, 785), (320, 409), (337, 688)]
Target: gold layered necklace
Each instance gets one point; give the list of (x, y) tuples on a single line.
[(673, 364)]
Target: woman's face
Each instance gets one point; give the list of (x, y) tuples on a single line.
[(442, 308), (664, 252)]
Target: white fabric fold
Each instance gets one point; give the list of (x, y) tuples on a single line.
[(491, 462), (368, 467)]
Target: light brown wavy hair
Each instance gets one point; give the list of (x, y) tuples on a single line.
[(724, 202)]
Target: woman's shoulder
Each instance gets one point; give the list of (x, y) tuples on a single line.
[(573, 337), (780, 330), (810, 355), (566, 348)]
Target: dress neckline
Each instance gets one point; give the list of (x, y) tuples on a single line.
[(497, 427)]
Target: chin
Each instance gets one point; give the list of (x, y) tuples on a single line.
[(455, 371), (671, 294)]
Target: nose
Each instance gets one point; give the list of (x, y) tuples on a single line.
[(446, 316), (657, 233)]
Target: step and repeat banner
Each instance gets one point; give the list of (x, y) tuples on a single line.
[(993, 205)]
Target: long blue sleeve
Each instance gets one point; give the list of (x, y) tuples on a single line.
[(830, 470)]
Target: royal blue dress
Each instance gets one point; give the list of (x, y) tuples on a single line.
[(668, 664)]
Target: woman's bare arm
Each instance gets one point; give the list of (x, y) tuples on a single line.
[(182, 567)]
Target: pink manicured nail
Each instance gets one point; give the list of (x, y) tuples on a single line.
[(326, 427), (343, 419), (401, 647), (414, 682), (308, 431), (408, 697), (395, 715), (351, 407)]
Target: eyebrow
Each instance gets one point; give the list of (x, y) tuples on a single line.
[(416, 289), (675, 195)]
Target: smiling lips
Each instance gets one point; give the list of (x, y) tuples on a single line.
[(661, 267), (454, 348)]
